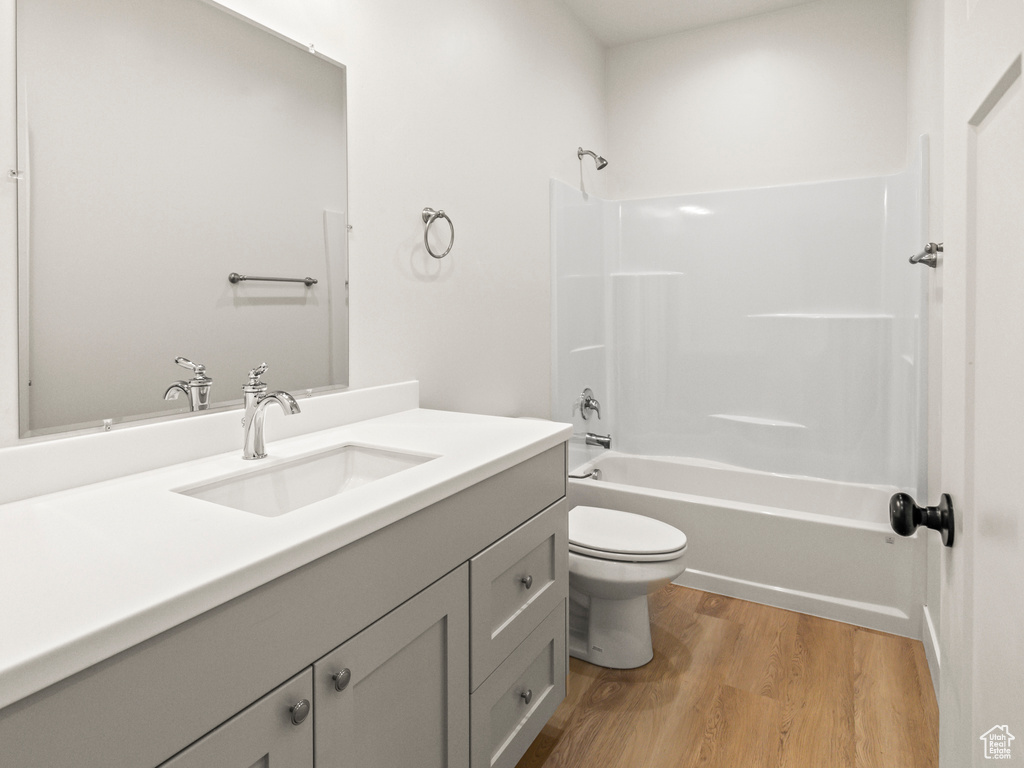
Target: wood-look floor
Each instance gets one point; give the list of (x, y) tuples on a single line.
[(741, 685)]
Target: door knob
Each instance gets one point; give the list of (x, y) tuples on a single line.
[(905, 516)]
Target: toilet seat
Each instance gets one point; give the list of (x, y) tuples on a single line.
[(610, 534)]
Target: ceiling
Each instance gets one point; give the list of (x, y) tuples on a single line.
[(615, 22)]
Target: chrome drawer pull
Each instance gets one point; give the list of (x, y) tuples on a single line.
[(527, 582), (527, 695)]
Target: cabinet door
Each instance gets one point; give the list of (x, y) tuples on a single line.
[(397, 694), (275, 731)]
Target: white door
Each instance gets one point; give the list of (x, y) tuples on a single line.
[(982, 628)]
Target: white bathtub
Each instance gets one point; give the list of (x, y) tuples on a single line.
[(808, 545)]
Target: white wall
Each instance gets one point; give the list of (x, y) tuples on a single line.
[(473, 106), (812, 93), (470, 106)]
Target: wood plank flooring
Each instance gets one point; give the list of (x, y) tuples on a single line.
[(741, 685)]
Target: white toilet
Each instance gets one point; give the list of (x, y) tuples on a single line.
[(616, 559)]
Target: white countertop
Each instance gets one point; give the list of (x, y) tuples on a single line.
[(86, 573)]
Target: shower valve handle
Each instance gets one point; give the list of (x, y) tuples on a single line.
[(905, 516), (586, 402)]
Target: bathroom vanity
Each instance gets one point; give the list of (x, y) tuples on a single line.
[(418, 619)]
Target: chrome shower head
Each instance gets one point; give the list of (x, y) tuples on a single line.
[(601, 162)]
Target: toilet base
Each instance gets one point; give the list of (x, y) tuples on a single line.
[(610, 633)]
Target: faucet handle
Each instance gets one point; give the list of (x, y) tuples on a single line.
[(197, 368), (255, 373), (587, 403)]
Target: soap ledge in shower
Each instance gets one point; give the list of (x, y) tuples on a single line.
[(648, 274), (586, 348), (756, 420), (824, 316)]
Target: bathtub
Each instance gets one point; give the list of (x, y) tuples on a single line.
[(814, 546)]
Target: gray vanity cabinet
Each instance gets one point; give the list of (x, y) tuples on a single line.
[(276, 730), (397, 694), (393, 608)]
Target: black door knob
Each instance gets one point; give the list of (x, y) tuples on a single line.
[(905, 516)]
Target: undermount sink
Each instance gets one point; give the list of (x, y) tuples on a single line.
[(292, 485)]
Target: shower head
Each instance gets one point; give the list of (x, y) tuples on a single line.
[(601, 162)]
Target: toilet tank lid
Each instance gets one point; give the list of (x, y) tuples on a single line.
[(611, 530)]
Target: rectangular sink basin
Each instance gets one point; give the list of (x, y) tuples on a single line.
[(292, 485)]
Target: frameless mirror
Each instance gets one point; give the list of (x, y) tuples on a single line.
[(162, 147)]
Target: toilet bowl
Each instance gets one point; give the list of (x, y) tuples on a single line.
[(616, 559)]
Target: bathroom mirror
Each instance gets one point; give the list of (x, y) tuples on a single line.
[(161, 147)]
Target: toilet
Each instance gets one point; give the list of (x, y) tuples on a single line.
[(616, 559)]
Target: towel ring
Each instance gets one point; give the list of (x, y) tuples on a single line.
[(429, 216)]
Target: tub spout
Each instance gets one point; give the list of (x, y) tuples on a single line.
[(605, 441)]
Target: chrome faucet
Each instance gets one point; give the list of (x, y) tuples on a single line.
[(196, 389), (587, 403), (256, 401), (605, 441)]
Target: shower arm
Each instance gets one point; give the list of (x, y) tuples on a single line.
[(598, 160)]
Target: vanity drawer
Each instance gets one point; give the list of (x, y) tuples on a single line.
[(513, 585), (512, 705)]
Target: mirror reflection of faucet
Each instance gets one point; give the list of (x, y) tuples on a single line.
[(256, 401), (196, 389)]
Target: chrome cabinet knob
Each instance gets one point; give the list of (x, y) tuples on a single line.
[(527, 695), (342, 679), (300, 711), (527, 581)]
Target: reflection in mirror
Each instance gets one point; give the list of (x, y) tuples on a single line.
[(162, 147)]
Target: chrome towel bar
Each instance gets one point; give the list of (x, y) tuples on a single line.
[(429, 217), (234, 277)]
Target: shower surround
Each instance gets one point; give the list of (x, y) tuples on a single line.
[(777, 329), (759, 358)]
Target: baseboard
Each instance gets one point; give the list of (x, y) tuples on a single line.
[(884, 618)]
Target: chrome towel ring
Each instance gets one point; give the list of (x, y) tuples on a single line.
[(429, 217)]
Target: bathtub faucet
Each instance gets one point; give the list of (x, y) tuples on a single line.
[(605, 441)]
